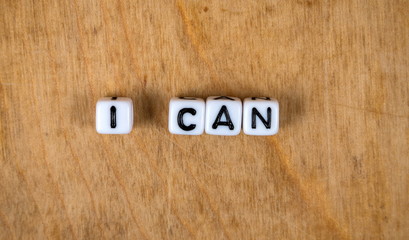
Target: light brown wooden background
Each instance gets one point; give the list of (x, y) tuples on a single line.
[(338, 169)]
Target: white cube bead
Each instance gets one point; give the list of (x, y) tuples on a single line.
[(223, 115), (186, 115), (260, 116), (114, 115)]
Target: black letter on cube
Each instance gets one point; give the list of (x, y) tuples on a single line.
[(255, 112), (180, 119), (228, 121), (113, 117)]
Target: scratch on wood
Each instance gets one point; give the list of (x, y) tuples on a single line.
[(189, 31), (81, 47), (308, 197), (130, 46), (53, 181), (212, 205), (141, 229), (6, 222), (76, 159), (371, 111)]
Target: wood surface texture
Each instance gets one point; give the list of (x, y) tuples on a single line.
[(338, 168)]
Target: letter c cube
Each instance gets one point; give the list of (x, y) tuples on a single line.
[(186, 115)]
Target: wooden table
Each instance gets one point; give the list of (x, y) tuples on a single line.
[(338, 169)]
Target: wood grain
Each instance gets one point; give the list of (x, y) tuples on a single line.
[(338, 169)]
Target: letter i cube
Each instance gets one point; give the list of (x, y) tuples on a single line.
[(114, 115)]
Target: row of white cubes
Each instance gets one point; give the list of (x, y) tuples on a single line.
[(219, 115)]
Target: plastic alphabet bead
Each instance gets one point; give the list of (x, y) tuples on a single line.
[(186, 115), (223, 115), (114, 115), (260, 116), (219, 115)]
